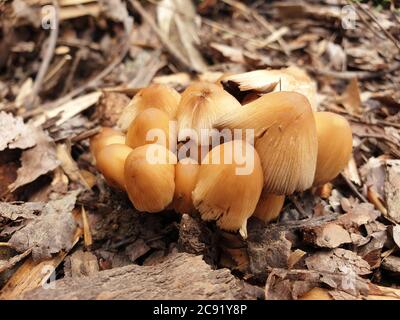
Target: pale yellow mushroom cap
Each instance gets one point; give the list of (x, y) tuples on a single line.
[(105, 137), (202, 103), (285, 139), (228, 190), (110, 162), (186, 172), (149, 177), (335, 144), (151, 126), (154, 96)]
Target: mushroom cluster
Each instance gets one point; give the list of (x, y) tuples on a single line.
[(204, 152)]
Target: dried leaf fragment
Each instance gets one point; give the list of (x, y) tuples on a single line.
[(14, 133), (338, 260), (36, 161), (51, 232)]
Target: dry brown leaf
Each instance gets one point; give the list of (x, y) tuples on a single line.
[(291, 284), (182, 30), (330, 235), (14, 133), (51, 232), (351, 98), (36, 161), (338, 261), (27, 210), (392, 263), (358, 215), (392, 187), (81, 264), (373, 175)]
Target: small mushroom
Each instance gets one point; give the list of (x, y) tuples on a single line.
[(186, 172), (110, 162), (269, 207), (105, 137), (334, 146), (154, 96), (228, 186), (149, 177), (202, 103), (151, 126), (285, 138)]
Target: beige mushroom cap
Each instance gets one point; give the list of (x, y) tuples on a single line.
[(335, 144), (105, 137), (149, 177), (110, 162), (151, 122), (225, 191), (285, 138), (202, 103), (154, 96), (186, 172)]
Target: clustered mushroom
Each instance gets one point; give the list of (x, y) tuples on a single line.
[(285, 147)]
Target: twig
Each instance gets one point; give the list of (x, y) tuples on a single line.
[(275, 34), (93, 82), (85, 134), (46, 59), (71, 73), (163, 38), (387, 33), (353, 188), (216, 25), (361, 75), (367, 24)]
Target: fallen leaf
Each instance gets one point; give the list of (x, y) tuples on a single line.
[(330, 235), (27, 210), (351, 98), (14, 133), (373, 174), (81, 264), (291, 284), (392, 187), (36, 161), (392, 264), (182, 30), (51, 232), (338, 261)]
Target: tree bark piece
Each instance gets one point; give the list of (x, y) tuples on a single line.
[(182, 276)]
